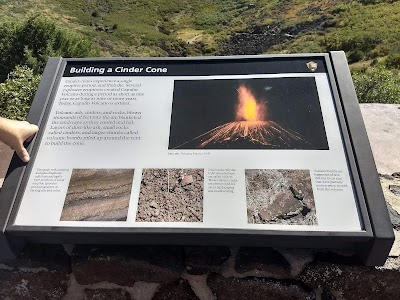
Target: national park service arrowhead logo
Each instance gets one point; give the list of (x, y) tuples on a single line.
[(312, 66)]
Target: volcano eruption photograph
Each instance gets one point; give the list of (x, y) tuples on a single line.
[(257, 113)]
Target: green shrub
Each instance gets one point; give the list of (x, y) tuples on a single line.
[(209, 20), (368, 2), (17, 92), (371, 2), (377, 85), (358, 47), (364, 31), (393, 61), (34, 40), (339, 8), (355, 55)]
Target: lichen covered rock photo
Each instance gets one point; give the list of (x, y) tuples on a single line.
[(280, 197)]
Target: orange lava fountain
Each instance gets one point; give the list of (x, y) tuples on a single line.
[(248, 109), (250, 127)]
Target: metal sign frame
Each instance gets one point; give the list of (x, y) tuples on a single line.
[(373, 243)]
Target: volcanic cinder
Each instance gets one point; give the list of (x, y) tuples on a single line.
[(280, 197), (98, 195), (171, 195)]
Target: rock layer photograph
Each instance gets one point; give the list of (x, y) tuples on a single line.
[(98, 195), (280, 197), (171, 195), (262, 113)]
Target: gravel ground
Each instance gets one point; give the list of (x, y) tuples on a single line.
[(171, 195)]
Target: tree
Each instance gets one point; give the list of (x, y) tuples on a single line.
[(377, 85), (17, 92), (33, 41)]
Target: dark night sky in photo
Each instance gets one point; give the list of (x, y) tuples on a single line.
[(201, 105)]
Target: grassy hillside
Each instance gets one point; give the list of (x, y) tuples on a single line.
[(368, 30), (365, 29)]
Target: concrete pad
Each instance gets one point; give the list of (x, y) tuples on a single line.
[(383, 127)]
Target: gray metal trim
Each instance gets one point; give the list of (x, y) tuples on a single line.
[(40, 112), (159, 230), (376, 251), (344, 130), (15, 174)]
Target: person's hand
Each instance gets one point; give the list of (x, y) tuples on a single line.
[(15, 133)]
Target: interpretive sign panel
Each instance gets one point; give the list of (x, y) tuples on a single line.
[(241, 150)]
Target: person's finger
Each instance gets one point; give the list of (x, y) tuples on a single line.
[(29, 138), (22, 153), (29, 132)]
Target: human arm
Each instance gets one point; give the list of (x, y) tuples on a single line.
[(15, 133)]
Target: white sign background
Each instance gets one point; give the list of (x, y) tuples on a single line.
[(336, 211)]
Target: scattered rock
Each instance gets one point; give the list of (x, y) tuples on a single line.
[(199, 286), (353, 281), (396, 175), (125, 265), (342, 252), (392, 198), (178, 290), (205, 259), (394, 216), (187, 179), (19, 284), (392, 263), (395, 251), (257, 288), (297, 258), (326, 295), (264, 261), (338, 257), (143, 290), (282, 207), (385, 176), (39, 272), (49, 257), (395, 189), (106, 294), (171, 195), (259, 39), (156, 212)]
